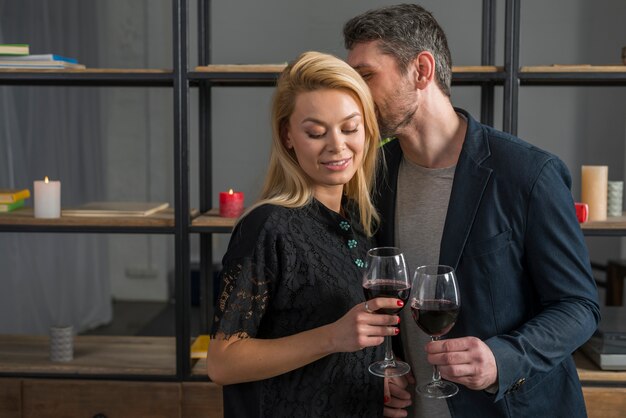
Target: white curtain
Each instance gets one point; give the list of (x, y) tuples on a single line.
[(51, 279)]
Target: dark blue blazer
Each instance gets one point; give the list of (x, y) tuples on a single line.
[(523, 269)]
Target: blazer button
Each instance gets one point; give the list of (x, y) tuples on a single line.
[(519, 384)]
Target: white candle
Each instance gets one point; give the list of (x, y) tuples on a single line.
[(47, 198), (594, 185)]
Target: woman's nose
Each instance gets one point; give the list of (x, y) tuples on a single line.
[(336, 141)]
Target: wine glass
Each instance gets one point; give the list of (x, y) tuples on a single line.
[(435, 306), (387, 277)]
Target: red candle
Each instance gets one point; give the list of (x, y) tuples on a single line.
[(231, 204)]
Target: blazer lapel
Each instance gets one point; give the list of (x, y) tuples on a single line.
[(470, 181), (385, 197)]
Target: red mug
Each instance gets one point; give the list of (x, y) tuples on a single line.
[(582, 212)]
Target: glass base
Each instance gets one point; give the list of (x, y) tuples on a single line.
[(438, 389), (386, 368)]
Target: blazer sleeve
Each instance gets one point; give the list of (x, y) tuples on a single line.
[(557, 262)]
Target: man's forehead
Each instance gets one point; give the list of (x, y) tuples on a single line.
[(364, 55)]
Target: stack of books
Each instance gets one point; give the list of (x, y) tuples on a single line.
[(607, 346), (17, 56), (11, 199)]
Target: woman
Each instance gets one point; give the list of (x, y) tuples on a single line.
[(292, 335)]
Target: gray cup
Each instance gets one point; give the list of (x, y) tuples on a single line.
[(614, 198)]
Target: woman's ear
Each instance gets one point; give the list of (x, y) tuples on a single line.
[(285, 136)]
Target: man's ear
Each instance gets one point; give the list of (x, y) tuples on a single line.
[(424, 69)]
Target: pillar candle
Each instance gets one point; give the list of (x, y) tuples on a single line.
[(231, 204), (47, 198), (594, 190)]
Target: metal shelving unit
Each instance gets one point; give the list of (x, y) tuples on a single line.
[(176, 223)]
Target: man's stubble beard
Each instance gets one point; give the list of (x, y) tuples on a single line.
[(389, 129)]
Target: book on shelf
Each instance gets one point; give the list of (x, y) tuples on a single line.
[(13, 195), (40, 64), (200, 347), (116, 209), (9, 207), (607, 346), (14, 49), (39, 57)]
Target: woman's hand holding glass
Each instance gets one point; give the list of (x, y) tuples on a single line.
[(387, 277), (359, 328)]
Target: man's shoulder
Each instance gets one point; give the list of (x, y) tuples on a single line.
[(513, 152)]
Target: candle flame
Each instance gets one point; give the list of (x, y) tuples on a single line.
[(230, 191), (46, 179)]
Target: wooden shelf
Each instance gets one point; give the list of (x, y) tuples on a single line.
[(198, 368), (103, 355), (277, 68), (589, 373), (613, 226), (266, 74), (574, 69), (241, 68), (88, 77), (211, 221), (23, 220), (573, 75), (87, 70)]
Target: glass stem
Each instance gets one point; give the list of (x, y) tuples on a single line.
[(389, 358), (436, 374)]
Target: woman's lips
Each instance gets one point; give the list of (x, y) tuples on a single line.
[(337, 165)]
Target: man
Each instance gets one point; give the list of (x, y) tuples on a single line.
[(495, 208)]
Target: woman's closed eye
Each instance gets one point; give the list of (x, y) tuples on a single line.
[(316, 135)]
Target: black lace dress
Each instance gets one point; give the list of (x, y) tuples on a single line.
[(288, 271)]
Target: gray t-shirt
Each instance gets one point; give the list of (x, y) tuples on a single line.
[(422, 201)]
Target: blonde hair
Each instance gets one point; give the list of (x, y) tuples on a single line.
[(286, 183)]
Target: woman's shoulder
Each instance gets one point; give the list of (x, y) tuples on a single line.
[(260, 228), (263, 219), (266, 214)]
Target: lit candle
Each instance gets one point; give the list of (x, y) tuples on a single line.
[(231, 204), (47, 198)]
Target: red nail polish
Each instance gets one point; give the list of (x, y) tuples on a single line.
[(397, 331), (386, 399), (400, 303), (398, 320)]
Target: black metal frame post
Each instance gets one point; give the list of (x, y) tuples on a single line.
[(488, 57), (206, 155), (181, 188), (511, 65)]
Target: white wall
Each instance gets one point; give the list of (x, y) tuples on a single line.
[(139, 128)]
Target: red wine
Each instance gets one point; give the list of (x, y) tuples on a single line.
[(435, 317), (387, 289)]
